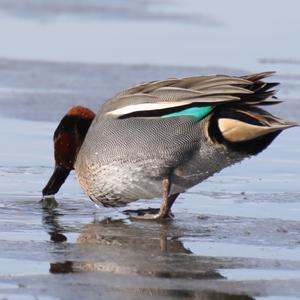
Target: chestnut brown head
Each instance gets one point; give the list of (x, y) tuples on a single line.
[(68, 138)]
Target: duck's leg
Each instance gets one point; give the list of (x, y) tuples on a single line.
[(165, 208), (167, 201)]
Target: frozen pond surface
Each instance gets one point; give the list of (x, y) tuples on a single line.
[(238, 233), (235, 236)]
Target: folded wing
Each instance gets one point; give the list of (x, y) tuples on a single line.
[(157, 98)]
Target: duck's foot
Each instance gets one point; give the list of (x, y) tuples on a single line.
[(164, 212), (148, 214)]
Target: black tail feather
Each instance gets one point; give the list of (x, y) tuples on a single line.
[(263, 92)]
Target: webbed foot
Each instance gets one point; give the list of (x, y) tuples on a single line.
[(148, 214)]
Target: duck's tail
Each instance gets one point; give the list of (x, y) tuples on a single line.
[(263, 92), (243, 125), (247, 129)]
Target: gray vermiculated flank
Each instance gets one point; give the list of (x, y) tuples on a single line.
[(125, 160)]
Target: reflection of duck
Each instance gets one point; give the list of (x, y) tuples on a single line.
[(163, 137), (138, 249), (50, 220), (138, 254)]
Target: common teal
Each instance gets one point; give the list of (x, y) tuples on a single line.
[(159, 138)]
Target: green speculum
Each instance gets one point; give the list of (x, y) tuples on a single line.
[(197, 112)]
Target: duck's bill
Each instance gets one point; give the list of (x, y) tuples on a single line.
[(49, 202), (57, 179)]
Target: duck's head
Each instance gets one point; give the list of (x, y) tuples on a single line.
[(68, 138)]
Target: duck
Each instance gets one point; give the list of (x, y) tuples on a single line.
[(160, 138)]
